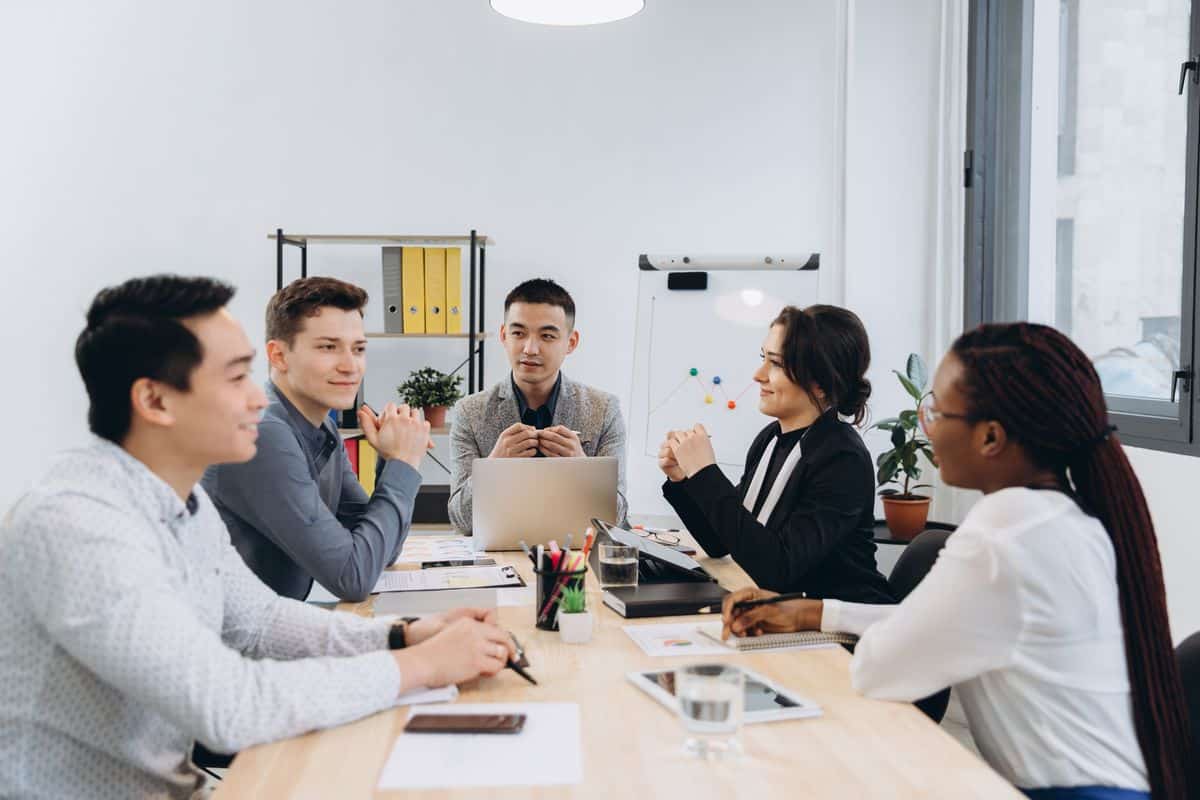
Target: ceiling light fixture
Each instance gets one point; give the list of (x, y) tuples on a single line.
[(568, 12)]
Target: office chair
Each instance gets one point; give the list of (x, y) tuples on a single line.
[(912, 566), (1188, 656)]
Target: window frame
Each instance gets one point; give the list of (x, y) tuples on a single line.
[(989, 270)]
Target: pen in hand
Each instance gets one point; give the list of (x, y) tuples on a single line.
[(517, 665)]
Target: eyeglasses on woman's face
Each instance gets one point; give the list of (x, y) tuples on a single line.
[(930, 415)]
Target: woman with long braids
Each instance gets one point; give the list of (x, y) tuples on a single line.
[(1046, 609)]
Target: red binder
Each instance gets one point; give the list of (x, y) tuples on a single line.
[(352, 453)]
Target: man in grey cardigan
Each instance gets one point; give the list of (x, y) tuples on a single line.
[(296, 511), (536, 411)]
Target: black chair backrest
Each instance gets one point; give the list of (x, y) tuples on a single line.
[(1188, 655), (915, 562), (910, 568)]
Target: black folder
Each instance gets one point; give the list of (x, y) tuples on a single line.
[(663, 599)]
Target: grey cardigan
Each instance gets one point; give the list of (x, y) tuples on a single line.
[(481, 418)]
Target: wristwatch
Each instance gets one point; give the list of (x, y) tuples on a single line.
[(396, 636)]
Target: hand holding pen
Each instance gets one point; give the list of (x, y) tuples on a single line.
[(753, 612)]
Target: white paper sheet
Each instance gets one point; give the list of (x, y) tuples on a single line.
[(445, 760), (675, 639), (418, 580), (435, 548), (446, 694)]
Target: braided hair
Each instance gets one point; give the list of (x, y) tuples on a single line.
[(1040, 386)]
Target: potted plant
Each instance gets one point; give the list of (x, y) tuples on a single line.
[(905, 510), (431, 391), (574, 620)]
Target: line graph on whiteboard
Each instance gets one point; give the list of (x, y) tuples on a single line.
[(708, 391)]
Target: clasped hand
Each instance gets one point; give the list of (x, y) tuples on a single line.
[(684, 453), (524, 441)]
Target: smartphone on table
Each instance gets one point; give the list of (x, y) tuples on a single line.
[(465, 723)]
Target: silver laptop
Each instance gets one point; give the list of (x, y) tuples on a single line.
[(539, 499)]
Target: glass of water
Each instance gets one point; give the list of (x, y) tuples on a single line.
[(710, 705), (618, 565)]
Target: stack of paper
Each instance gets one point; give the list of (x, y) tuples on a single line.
[(418, 549), (426, 580)]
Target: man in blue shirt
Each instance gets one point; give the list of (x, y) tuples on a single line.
[(296, 511)]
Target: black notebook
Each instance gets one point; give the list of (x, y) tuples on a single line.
[(663, 599)]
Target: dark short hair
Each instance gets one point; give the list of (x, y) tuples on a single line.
[(543, 290), (304, 298), (134, 331), (827, 347)]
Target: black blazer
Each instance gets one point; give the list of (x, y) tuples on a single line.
[(819, 538)]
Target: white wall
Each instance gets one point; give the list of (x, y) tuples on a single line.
[(148, 137), (1169, 482)]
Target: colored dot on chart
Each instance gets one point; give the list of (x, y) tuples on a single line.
[(693, 372), (732, 405), (717, 380), (708, 399)]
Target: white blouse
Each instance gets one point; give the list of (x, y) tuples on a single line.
[(1020, 614)]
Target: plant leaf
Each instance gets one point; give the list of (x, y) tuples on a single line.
[(908, 419), (889, 468), (898, 438), (916, 371), (886, 424), (886, 492), (909, 386)]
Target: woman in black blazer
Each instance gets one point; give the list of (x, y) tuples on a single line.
[(802, 517)]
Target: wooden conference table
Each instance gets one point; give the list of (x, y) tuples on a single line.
[(859, 748)]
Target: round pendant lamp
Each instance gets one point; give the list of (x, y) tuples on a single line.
[(568, 12)]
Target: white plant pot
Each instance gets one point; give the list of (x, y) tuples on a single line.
[(575, 628)]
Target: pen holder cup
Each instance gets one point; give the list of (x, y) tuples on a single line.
[(550, 584)]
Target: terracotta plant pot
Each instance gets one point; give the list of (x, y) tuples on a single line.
[(435, 416), (905, 518)]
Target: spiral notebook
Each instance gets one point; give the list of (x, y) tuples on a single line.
[(776, 641)]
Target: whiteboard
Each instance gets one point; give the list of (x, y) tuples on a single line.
[(696, 352)]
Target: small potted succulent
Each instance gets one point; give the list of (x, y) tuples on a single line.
[(431, 391), (574, 620), (906, 511)]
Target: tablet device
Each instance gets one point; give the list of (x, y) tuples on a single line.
[(763, 699)]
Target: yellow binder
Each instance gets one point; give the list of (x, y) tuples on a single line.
[(435, 290), (366, 465), (412, 288), (454, 306)]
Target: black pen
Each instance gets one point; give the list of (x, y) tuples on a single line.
[(513, 666), (746, 605)]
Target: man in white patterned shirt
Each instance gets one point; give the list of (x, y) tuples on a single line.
[(131, 626)]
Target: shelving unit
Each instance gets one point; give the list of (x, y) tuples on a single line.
[(476, 244)]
